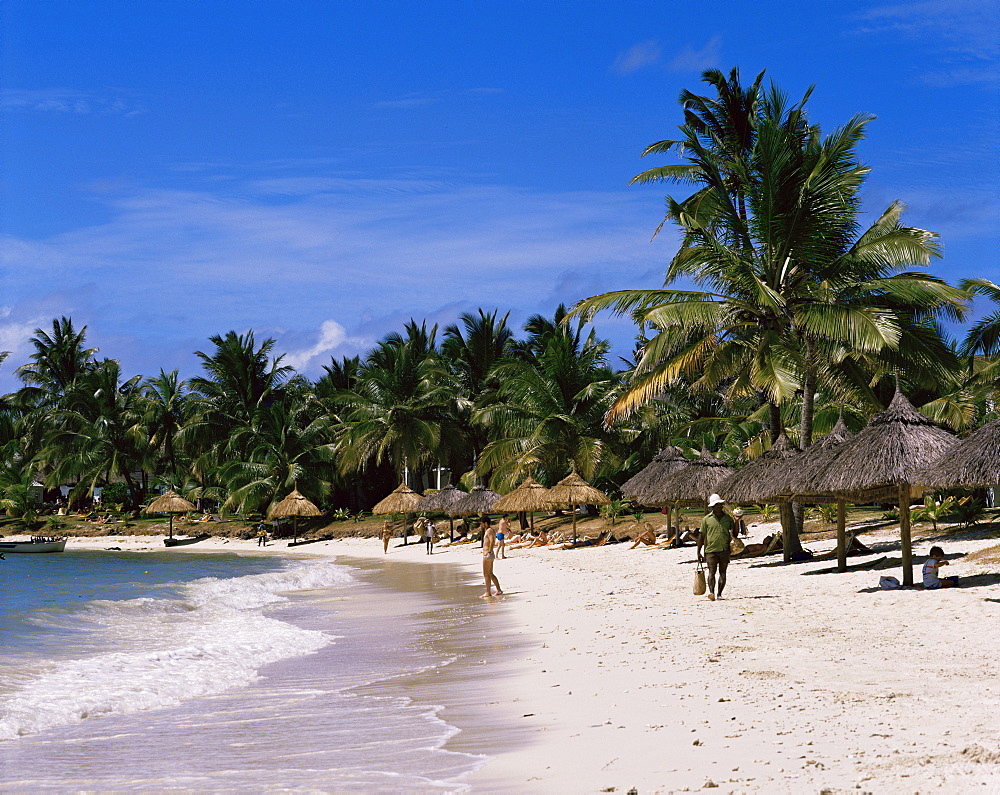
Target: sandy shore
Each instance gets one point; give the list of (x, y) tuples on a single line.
[(790, 683)]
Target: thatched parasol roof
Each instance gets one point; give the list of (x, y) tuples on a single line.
[(891, 451), (530, 496), (441, 500), (402, 500), (972, 463), (692, 483), (765, 478), (640, 486), (479, 500), (171, 502), (803, 468), (574, 490), (294, 505)]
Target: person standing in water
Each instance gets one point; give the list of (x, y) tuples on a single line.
[(489, 547)]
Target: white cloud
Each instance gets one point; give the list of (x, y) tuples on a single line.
[(692, 60), (639, 56), (171, 268), (332, 336)]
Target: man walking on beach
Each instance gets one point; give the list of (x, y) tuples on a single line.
[(716, 535)]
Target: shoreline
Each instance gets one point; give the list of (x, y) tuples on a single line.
[(789, 683)]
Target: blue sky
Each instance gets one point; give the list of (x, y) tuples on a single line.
[(322, 172)]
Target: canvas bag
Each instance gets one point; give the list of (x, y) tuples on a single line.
[(699, 580)]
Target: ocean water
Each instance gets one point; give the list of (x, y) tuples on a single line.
[(190, 671)]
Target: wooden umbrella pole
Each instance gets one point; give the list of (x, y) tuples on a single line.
[(841, 536), (171, 533), (670, 512), (904, 534), (451, 528), (573, 509)]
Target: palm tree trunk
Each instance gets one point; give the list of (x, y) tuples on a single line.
[(774, 420)]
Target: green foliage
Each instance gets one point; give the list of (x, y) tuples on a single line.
[(115, 494), (615, 509), (934, 511), (969, 511), (826, 513), (891, 515), (767, 513)]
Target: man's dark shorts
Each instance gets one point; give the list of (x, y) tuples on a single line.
[(714, 559)]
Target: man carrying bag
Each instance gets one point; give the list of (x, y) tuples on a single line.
[(716, 534)]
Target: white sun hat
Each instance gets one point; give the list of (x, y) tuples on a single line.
[(715, 499)]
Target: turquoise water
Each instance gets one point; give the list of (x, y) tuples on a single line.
[(138, 671)]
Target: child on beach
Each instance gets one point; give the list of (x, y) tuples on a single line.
[(934, 562)]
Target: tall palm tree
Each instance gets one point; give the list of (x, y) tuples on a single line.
[(60, 358), (165, 410)]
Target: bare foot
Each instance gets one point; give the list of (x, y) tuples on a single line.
[(499, 593), (486, 596), (711, 597)]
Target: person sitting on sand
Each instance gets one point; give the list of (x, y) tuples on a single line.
[(934, 562), (647, 537), (540, 540)]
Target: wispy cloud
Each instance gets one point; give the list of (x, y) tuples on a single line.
[(690, 59), (637, 57), (170, 268), (422, 100), (964, 34), (63, 100)]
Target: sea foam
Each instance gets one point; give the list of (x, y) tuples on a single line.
[(162, 652)]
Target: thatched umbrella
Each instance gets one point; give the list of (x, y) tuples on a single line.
[(689, 484), (479, 500), (402, 500), (529, 497), (573, 490), (972, 463), (170, 503), (640, 486), (889, 454), (442, 500), (764, 480), (294, 505), (804, 468)]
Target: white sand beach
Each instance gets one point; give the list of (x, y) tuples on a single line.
[(790, 683)]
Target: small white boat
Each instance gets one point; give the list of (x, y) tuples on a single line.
[(36, 544)]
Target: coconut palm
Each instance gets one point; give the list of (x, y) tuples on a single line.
[(549, 415), (97, 433), (60, 358), (164, 413), (285, 446), (403, 407)]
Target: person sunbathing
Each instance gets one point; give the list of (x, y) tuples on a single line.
[(770, 545), (647, 537), (600, 541), (206, 517), (541, 540)]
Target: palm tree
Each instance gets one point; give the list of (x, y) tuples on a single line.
[(791, 287), (548, 416), (58, 361), (97, 433), (165, 411), (402, 409), (285, 446)]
